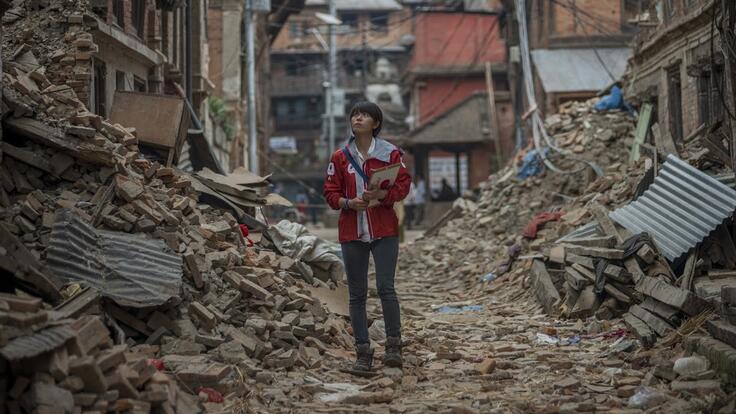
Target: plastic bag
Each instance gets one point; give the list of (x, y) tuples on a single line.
[(645, 398)]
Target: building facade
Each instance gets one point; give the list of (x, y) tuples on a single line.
[(456, 135), (371, 56), (679, 67)]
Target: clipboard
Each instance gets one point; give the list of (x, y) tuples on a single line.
[(383, 178)]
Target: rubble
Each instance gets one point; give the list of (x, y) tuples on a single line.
[(131, 261)]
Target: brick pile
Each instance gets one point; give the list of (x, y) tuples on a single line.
[(243, 312)]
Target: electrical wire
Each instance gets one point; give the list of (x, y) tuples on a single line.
[(456, 82), (712, 57), (538, 129), (575, 13)]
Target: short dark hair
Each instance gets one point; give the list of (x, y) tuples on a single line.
[(365, 107)]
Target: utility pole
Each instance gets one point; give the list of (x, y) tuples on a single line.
[(250, 63), (333, 80)]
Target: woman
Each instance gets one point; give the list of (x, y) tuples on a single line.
[(364, 231)]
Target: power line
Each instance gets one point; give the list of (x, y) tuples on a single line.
[(456, 82)]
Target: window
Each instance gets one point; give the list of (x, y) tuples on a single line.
[(98, 89), (710, 103), (349, 19), (379, 22), (139, 85), (670, 9), (138, 16), (295, 30), (674, 91), (120, 81), (118, 13), (292, 67)]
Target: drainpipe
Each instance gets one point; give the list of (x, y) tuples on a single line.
[(188, 48)]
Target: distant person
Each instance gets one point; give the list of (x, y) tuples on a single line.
[(420, 190), (301, 202), (367, 231), (314, 200), (409, 207), (446, 192)]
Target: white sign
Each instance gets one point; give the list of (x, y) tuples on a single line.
[(338, 104), (261, 6), (444, 167), (283, 145)]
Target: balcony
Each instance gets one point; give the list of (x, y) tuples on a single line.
[(298, 122), (307, 85)]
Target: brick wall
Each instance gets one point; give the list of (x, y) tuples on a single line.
[(128, 24), (214, 30), (457, 39)]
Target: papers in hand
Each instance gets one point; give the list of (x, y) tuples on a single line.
[(383, 178)]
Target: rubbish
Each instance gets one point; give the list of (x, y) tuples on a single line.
[(531, 164), (646, 398), (613, 100), (246, 232), (156, 363), (488, 277), (613, 372), (377, 330), (338, 391), (455, 309), (314, 257), (544, 339), (213, 395), (573, 340), (530, 232), (690, 367)]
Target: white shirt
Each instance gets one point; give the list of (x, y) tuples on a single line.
[(419, 193), (364, 232)]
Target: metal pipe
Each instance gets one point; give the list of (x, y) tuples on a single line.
[(333, 79), (188, 49), (251, 77)]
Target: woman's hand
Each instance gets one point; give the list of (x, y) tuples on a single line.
[(358, 204), (374, 194)]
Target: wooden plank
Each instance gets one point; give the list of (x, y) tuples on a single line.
[(21, 263), (608, 287), (722, 331), (640, 330), (586, 304), (681, 299), (609, 227), (657, 324), (575, 279), (53, 137), (594, 251), (544, 289), (645, 117), (663, 310), (663, 141)]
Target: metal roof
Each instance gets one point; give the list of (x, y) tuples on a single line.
[(578, 70), (364, 5), (465, 123), (680, 209), (131, 270), (36, 343)]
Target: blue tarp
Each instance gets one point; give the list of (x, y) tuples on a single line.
[(531, 165)]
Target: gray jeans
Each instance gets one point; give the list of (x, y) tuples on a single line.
[(356, 255)]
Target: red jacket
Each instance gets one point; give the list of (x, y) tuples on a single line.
[(343, 181)]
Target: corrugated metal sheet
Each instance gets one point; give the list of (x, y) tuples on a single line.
[(132, 270), (576, 70), (587, 230), (36, 343), (679, 209)]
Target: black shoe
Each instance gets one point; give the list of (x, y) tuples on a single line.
[(392, 358), (364, 357)]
